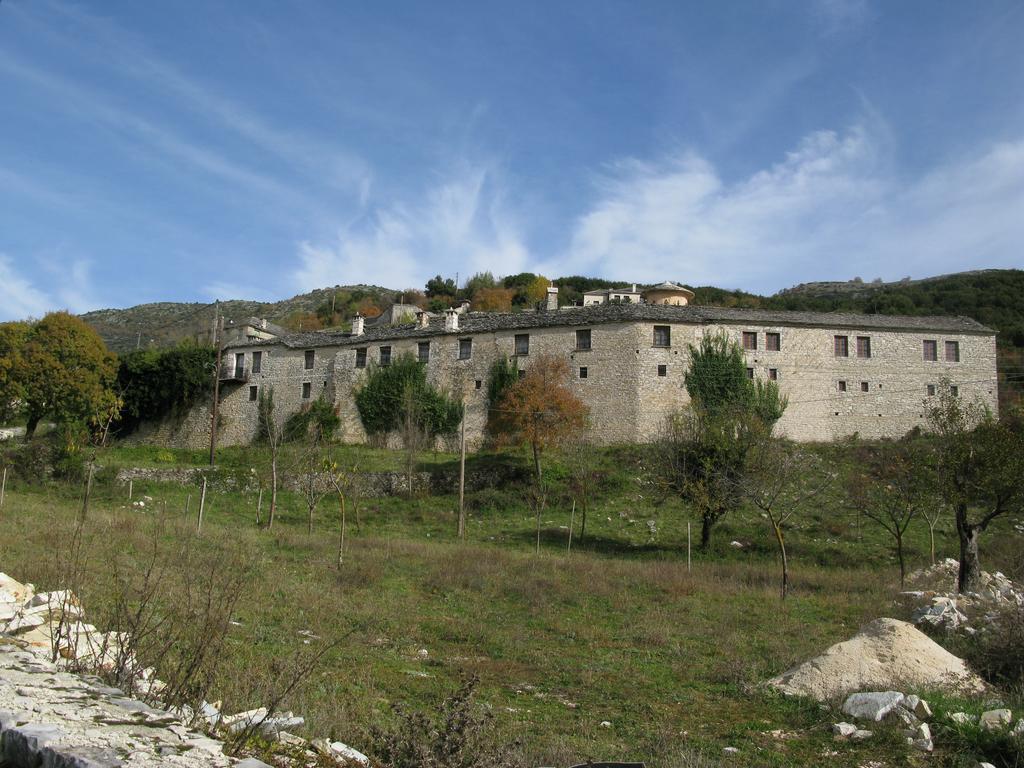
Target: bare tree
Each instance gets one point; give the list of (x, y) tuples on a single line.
[(414, 436), (892, 487), (779, 480), (316, 475), (345, 482), (584, 473)]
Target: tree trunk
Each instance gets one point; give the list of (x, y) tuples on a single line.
[(536, 462), (309, 523), (273, 491), (931, 540), (899, 556), (30, 426), (583, 522), (785, 562), (969, 578), (705, 531), (341, 540)]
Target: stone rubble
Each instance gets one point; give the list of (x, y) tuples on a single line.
[(937, 604), (54, 718), (891, 706)]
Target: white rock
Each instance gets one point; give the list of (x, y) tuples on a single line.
[(873, 705), (962, 718), (995, 719), (925, 745), (736, 545), (923, 731), (904, 716), (985, 765), (730, 751), (922, 710), (911, 701), (844, 730), (347, 752), (1018, 729), (860, 735), (606, 724)]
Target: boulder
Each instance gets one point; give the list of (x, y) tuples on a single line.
[(883, 654), (860, 735), (872, 706), (962, 718), (348, 753), (995, 719)]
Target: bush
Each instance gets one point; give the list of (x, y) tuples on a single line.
[(31, 462), (996, 651), (319, 417), (457, 737), (382, 400), (161, 383)]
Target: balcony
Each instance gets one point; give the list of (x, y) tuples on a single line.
[(232, 372)]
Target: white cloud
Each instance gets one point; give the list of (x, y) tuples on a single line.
[(462, 224), (833, 208), (19, 299)]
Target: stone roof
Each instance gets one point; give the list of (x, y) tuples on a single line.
[(487, 322)]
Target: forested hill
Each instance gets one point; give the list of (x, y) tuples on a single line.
[(994, 297)]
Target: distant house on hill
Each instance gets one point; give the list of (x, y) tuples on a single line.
[(873, 375)]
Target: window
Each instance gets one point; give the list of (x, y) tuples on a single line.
[(253, 393), (954, 390), (750, 340), (773, 342), (931, 349), (583, 339), (240, 365), (931, 390), (361, 357), (583, 373), (842, 346), (863, 346), (465, 349), (662, 336), (310, 357), (663, 370), (307, 388), (952, 351), (750, 373), (257, 362), (479, 383), (864, 386), (773, 374), (522, 343), (423, 351), (385, 355), (842, 386)]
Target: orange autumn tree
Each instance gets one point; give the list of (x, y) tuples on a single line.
[(540, 409)]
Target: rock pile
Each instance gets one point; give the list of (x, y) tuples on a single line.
[(884, 653), (911, 712), (937, 603), (51, 717)]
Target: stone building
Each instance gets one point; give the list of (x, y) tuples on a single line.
[(843, 373)]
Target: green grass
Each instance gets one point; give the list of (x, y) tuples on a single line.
[(621, 629)]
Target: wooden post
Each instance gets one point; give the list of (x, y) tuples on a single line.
[(131, 485), (341, 541), (202, 504), (88, 492), (216, 389), (572, 518), (462, 476), (188, 503), (3, 488), (687, 546), (259, 507)]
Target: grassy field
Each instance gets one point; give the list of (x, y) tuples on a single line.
[(618, 631)]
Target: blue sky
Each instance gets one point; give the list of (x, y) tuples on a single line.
[(187, 151)]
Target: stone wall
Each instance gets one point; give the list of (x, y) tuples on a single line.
[(627, 396)]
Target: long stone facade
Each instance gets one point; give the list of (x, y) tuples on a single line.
[(630, 374)]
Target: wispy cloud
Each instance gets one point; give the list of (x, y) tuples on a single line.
[(833, 207), (462, 223), (19, 298)]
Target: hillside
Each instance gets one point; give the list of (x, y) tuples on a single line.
[(992, 297), (167, 323)]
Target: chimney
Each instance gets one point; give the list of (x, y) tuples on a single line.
[(451, 320), (263, 322), (463, 307), (357, 325), (552, 300), (634, 288), (422, 319)]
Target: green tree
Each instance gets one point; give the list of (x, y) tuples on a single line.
[(12, 341), (980, 462), (156, 383), (382, 399), (439, 286), (702, 452), (68, 373)]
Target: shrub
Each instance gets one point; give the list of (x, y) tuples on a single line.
[(158, 383), (319, 417), (997, 650), (382, 400), (457, 737)]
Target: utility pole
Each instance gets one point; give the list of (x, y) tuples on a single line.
[(218, 328)]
